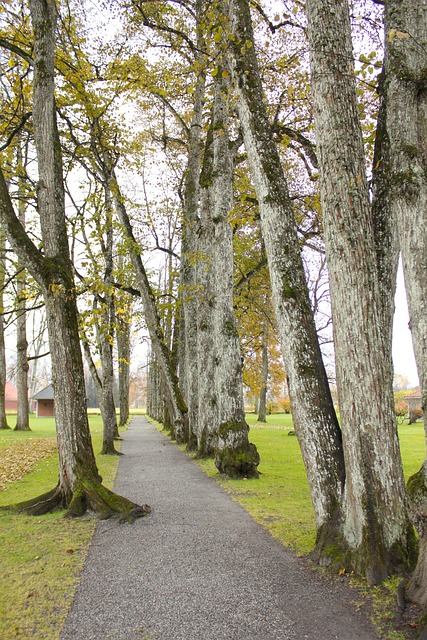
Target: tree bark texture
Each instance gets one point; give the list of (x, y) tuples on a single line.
[(375, 527), (314, 416), (405, 100)]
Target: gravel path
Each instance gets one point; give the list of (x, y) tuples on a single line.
[(198, 567)]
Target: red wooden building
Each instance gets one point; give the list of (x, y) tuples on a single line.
[(45, 406)]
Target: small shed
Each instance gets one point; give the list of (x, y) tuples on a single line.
[(11, 397), (45, 406)]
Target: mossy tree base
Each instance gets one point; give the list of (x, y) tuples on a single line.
[(332, 550), (87, 496), (234, 455)]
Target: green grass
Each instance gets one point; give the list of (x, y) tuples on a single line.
[(41, 557)]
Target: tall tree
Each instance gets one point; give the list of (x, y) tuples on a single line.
[(79, 486), (314, 416), (375, 526), (404, 104)]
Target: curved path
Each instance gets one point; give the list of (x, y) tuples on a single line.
[(198, 567)]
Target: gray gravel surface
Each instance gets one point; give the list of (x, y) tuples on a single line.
[(198, 567)]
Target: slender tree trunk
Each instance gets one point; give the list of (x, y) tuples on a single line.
[(262, 406), (405, 104), (79, 486), (105, 336), (3, 419), (123, 352), (376, 529), (189, 287), (22, 366), (314, 416)]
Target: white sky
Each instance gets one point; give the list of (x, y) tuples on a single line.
[(403, 354)]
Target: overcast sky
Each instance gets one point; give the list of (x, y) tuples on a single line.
[(403, 354)]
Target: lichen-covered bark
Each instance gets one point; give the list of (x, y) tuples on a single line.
[(405, 102), (375, 529), (312, 408)]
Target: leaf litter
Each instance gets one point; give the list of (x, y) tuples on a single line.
[(17, 461)]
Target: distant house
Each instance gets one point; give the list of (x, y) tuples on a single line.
[(11, 397), (413, 400), (45, 402)]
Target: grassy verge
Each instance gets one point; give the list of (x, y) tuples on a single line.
[(41, 557)]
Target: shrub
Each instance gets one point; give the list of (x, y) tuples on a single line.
[(401, 408)]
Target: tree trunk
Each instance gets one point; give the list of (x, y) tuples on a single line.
[(105, 335), (405, 99), (22, 366), (189, 287), (262, 406), (79, 486), (221, 411), (314, 416), (3, 419), (376, 529), (123, 352)]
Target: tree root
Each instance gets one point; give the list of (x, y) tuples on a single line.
[(88, 495)]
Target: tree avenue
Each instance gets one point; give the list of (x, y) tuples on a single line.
[(212, 106)]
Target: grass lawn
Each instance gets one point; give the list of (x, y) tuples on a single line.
[(41, 557)]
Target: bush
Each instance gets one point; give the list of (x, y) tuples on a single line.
[(401, 408)]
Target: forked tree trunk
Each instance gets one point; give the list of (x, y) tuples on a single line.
[(79, 486), (405, 99), (377, 535), (314, 416)]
